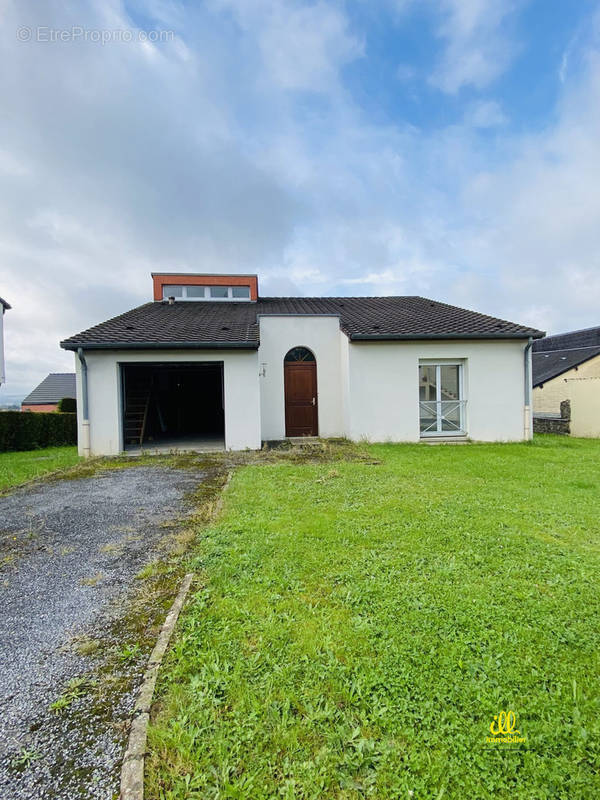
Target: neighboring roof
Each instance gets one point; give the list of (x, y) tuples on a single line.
[(586, 337), (52, 389), (554, 355), (553, 363), (4, 304), (230, 324)]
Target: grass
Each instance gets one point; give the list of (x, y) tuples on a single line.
[(74, 689), (20, 467), (359, 626)]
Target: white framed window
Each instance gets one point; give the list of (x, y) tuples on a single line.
[(213, 293), (441, 399)]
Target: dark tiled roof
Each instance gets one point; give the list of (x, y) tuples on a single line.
[(554, 355), (4, 304), (230, 324), (52, 389), (588, 337), (553, 363)]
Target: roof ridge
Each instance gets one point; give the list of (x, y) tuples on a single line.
[(572, 333), (341, 297)]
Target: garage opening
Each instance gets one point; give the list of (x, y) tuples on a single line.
[(173, 406)]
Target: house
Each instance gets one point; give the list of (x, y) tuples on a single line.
[(4, 307), (210, 362), (566, 367), (47, 395)]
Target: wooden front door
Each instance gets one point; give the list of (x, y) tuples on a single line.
[(301, 409)]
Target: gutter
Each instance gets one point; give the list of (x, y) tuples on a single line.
[(392, 337), (527, 417), (67, 345), (85, 421)]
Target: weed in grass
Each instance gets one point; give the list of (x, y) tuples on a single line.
[(129, 652), (177, 544), (112, 548), (74, 689), (25, 758), (94, 580), (86, 646), (150, 570)]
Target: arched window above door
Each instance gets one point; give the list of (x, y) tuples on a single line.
[(299, 354)]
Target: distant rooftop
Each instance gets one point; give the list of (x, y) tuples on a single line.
[(4, 304), (554, 355), (52, 389)]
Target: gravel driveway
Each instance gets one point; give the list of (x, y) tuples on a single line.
[(70, 552)]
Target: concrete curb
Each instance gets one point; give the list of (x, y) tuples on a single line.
[(132, 771)]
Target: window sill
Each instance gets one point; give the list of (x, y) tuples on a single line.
[(444, 435)]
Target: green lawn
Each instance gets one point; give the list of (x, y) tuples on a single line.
[(360, 625), (16, 468)]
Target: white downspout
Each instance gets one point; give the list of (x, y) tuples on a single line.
[(85, 421), (527, 426)]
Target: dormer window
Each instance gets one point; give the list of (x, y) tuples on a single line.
[(208, 287), (218, 293)]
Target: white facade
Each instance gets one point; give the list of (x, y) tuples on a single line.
[(383, 390), (321, 335), (240, 384), (2, 374), (366, 390)]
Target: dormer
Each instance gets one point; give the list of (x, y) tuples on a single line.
[(188, 287)]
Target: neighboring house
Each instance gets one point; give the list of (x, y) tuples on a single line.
[(50, 392), (211, 361), (4, 306), (567, 367)]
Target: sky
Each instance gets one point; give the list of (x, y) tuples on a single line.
[(446, 148)]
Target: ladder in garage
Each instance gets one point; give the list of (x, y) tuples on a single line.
[(137, 402)]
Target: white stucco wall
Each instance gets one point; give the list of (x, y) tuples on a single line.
[(321, 334), (242, 403), (365, 389), (384, 388), (2, 373)]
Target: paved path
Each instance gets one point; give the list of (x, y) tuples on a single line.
[(69, 554)]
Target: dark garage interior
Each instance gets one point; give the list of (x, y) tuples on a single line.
[(173, 405)]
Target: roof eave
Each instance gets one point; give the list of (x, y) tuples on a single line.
[(391, 337), (563, 370), (74, 345)]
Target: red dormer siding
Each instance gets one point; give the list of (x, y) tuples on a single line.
[(161, 279)]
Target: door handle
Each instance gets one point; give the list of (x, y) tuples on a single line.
[(314, 401)]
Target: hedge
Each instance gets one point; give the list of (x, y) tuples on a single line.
[(29, 430), (66, 405)]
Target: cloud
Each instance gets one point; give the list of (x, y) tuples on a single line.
[(478, 47), (302, 46), (537, 216), (485, 114), (237, 146)]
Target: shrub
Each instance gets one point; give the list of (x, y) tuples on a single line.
[(68, 405), (28, 431)]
